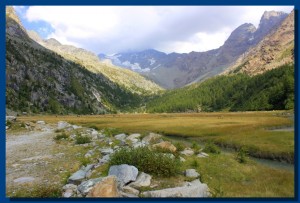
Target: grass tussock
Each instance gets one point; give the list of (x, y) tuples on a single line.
[(147, 160)]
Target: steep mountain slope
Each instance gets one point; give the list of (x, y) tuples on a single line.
[(39, 80), (177, 70), (126, 78), (274, 50)]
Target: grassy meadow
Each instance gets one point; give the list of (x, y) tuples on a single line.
[(234, 130), (223, 173)]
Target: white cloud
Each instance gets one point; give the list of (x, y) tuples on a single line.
[(112, 29)]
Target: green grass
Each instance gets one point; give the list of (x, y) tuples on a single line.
[(226, 129), (226, 177)]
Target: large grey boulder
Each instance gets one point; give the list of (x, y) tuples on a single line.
[(192, 189), (143, 180), (191, 173), (86, 186), (121, 137), (124, 173)]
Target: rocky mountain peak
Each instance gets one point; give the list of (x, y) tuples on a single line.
[(269, 14), (53, 42), (11, 13)]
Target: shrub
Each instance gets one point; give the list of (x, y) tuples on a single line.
[(242, 155), (61, 136), (211, 148), (196, 147), (111, 131), (179, 146), (146, 160), (82, 139)]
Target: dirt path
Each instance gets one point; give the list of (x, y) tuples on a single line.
[(28, 156)]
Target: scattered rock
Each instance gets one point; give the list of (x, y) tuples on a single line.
[(69, 190), (75, 127), (134, 138), (130, 190), (11, 118), (62, 125), (77, 177), (182, 159), (143, 180), (166, 145), (24, 180), (171, 156), (124, 173), (187, 152), (106, 151), (105, 188), (192, 189), (121, 136), (139, 144), (41, 122), (191, 173), (104, 159), (85, 187), (202, 155), (152, 138)]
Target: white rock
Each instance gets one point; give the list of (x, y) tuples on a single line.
[(187, 152), (143, 180), (191, 173), (41, 122)]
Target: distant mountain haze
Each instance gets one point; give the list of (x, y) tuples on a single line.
[(177, 70)]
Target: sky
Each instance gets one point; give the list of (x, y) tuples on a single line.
[(115, 29)]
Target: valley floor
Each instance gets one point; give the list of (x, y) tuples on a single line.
[(36, 155)]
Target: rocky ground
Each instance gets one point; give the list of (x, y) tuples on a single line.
[(53, 154)]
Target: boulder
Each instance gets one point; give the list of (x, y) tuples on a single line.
[(191, 173), (152, 138), (104, 159), (130, 190), (85, 187), (166, 146), (182, 159), (69, 190), (121, 137), (134, 137), (77, 177), (187, 152), (106, 151), (143, 180), (107, 187), (139, 144), (62, 125), (192, 189), (10, 118), (202, 155), (41, 122), (124, 173)]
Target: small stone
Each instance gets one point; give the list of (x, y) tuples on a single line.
[(182, 159), (143, 180), (86, 186), (152, 138), (130, 190), (121, 136), (41, 122), (187, 152), (202, 155), (165, 145)]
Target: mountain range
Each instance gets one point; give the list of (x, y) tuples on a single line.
[(45, 76), (177, 70)]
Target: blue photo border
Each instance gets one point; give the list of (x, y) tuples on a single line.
[(3, 3)]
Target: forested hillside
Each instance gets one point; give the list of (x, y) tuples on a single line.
[(272, 90)]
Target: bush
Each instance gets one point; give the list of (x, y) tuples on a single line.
[(82, 139), (211, 148), (111, 131), (146, 160), (242, 155), (61, 136), (179, 146), (196, 147)]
